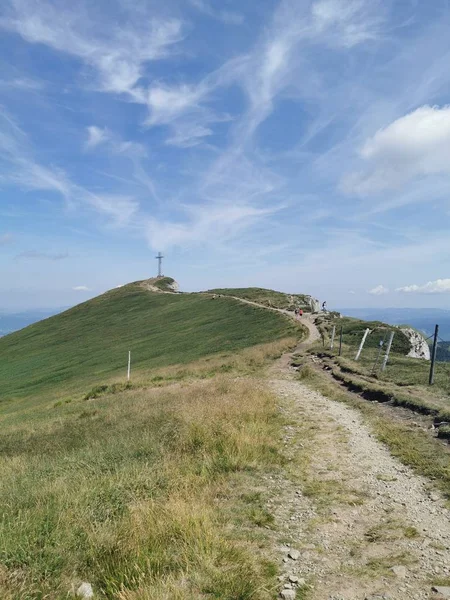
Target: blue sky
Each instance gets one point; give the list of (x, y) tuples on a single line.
[(299, 145)]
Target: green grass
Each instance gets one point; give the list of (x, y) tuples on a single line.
[(266, 297), (353, 331), (88, 345), (140, 494)]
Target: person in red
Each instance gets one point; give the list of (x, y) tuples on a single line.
[(300, 313)]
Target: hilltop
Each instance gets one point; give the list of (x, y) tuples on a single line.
[(89, 344)]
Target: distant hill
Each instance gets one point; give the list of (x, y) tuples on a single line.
[(10, 322), (89, 343), (423, 319)]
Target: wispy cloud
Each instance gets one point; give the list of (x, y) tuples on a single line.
[(22, 83), (440, 286), (227, 16), (37, 255), (97, 136), (379, 290), (21, 168), (81, 288), (118, 54), (204, 224)]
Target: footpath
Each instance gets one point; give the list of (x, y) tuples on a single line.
[(353, 523)]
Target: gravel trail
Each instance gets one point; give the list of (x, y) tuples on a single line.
[(365, 525)]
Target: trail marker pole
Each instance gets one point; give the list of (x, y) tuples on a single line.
[(333, 333), (358, 354), (388, 349), (129, 365), (340, 340), (433, 355)]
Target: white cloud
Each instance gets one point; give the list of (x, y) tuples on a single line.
[(205, 225), (352, 292), (96, 136), (116, 53), (166, 104), (347, 22), (81, 288), (22, 83), (227, 16), (120, 209), (416, 145), (24, 171), (379, 290), (440, 286)]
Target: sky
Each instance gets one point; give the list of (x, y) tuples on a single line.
[(300, 145)]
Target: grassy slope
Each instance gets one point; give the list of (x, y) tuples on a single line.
[(266, 297), (405, 379), (88, 344), (148, 494), (152, 492)]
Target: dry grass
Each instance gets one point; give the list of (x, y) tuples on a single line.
[(139, 494)]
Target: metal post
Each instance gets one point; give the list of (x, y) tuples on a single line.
[(380, 348), (333, 333), (366, 333), (129, 365), (388, 349), (433, 355), (340, 340)]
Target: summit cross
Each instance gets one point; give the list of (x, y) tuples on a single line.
[(159, 259)]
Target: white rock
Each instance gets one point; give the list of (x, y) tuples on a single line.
[(85, 590), (287, 594), (294, 554), (399, 571), (293, 578)]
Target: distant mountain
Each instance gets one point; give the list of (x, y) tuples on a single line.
[(423, 319), (10, 322)]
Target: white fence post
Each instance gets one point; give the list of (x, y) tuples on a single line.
[(129, 365), (388, 349), (333, 333), (366, 333)]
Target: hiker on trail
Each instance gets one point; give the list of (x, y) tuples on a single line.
[(300, 312), (324, 306)]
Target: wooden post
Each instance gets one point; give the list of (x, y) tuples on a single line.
[(366, 333), (340, 340), (129, 365), (433, 355), (388, 349), (333, 333)]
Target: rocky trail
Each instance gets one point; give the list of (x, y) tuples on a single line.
[(353, 523)]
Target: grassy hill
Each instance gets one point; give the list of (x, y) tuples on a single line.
[(151, 491), (89, 343), (266, 297)]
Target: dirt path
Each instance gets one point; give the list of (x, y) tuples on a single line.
[(366, 526)]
